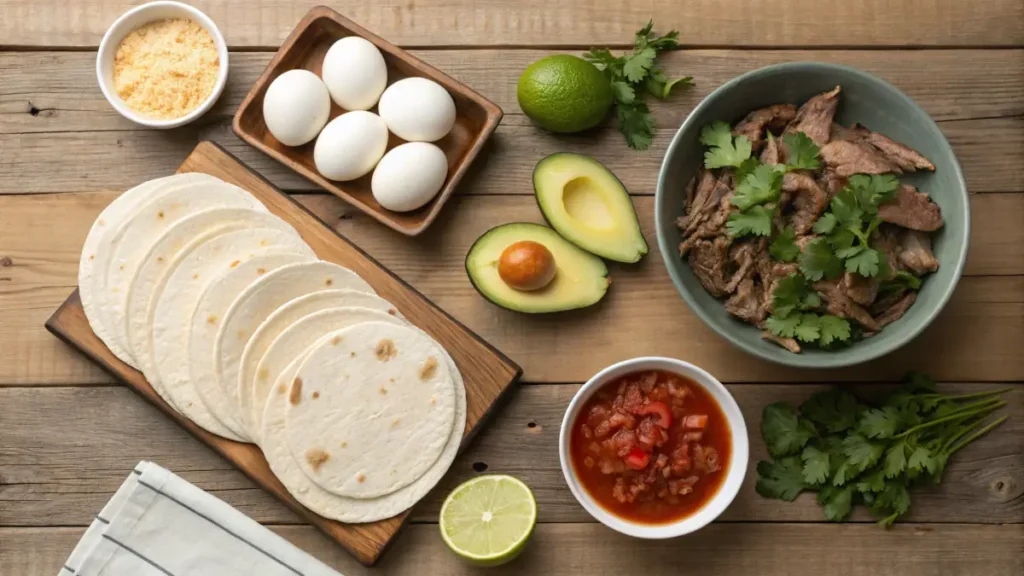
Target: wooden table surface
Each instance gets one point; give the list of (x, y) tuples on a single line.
[(69, 436)]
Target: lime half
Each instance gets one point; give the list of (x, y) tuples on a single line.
[(487, 520)]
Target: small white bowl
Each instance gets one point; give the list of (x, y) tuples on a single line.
[(135, 18), (734, 474)]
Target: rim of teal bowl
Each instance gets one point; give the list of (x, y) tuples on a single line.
[(840, 359)]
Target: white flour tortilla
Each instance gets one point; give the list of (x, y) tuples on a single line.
[(132, 239), (165, 256), (378, 402), (261, 299), (96, 250), (206, 322), (252, 393), (171, 317), (275, 448)]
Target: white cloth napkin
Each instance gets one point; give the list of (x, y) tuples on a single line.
[(157, 524)]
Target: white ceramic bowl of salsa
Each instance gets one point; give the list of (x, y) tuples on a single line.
[(714, 497)]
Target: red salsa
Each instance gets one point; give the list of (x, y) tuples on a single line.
[(651, 447)]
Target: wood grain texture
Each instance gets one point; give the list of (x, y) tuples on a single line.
[(774, 549), (570, 22), (69, 472), (978, 334), (45, 120), (487, 373), (476, 117)]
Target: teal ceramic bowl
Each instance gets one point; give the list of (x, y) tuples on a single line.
[(865, 99)]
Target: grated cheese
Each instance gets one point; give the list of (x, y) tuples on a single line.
[(167, 68)]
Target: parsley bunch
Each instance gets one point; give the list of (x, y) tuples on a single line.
[(852, 453), (634, 74), (758, 186)]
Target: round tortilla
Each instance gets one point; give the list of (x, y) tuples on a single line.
[(206, 323), (178, 241), (309, 494), (171, 317), (261, 299), (371, 410), (96, 250), (252, 392), (133, 238)]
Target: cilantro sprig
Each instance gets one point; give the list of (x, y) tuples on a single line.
[(793, 315), (851, 219), (634, 74), (853, 453)]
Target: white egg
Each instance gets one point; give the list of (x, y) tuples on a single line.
[(296, 106), (350, 146), (409, 175), (355, 73), (417, 110)]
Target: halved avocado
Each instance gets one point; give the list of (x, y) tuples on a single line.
[(587, 204), (581, 279)]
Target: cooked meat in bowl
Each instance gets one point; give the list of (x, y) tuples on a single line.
[(802, 226)]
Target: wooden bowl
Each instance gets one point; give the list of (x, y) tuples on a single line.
[(476, 116)]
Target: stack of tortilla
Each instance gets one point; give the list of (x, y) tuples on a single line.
[(239, 327)]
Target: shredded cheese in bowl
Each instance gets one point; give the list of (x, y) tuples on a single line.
[(166, 68)]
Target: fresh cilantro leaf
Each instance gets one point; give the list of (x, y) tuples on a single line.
[(623, 92), (811, 301), (895, 459), (637, 124), (845, 208), (894, 497), (781, 479), (841, 239), (879, 423), (833, 328), (784, 247), (871, 191), (874, 482), (669, 41), (756, 221), (817, 261), (745, 168), (816, 467), (864, 262), (922, 459), (761, 185), (861, 453), (783, 327), (659, 86), (602, 59), (809, 329), (803, 152), (731, 152), (919, 382), (835, 410), (844, 473), (826, 224), (788, 295), (783, 431), (639, 63), (667, 87), (837, 502), (643, 33), (716, 134), (848, 251), (901, 281)]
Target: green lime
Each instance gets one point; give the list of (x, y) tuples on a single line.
[(487, 520), (564, 93)]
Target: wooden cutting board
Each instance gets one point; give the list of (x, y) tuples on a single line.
[(487, 372)]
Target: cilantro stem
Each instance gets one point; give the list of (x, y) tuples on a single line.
[(964, 429), (978, 434), (960, 397), (974, 409)]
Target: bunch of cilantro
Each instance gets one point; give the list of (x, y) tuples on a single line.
[(632, 75), (851, 453)]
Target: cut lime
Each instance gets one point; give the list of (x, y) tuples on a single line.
[(487, 520)]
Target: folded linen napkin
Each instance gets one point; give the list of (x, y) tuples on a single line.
[(157, 524)]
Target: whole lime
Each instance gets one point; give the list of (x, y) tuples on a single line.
[(564, 93)]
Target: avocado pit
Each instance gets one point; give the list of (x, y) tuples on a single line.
[(526, 265)]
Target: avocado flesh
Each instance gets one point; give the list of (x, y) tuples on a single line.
[(581, 279), (587, 204)]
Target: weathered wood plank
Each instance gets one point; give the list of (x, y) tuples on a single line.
[(948, 84), (572, 22), (978, 334), (718, 550), (51, 111), (67, 472)]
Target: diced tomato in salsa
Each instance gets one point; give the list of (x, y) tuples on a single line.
[(651, 447)]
